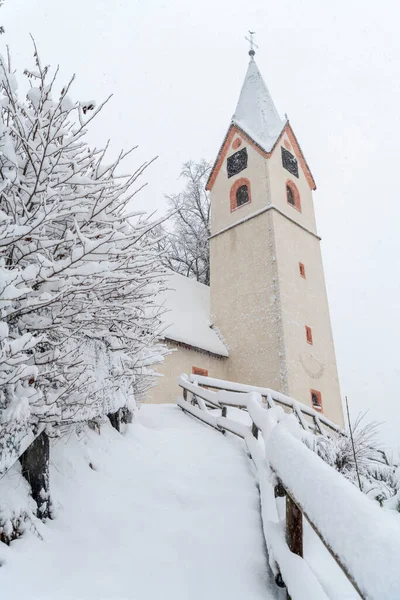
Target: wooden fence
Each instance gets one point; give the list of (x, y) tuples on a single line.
[(309, 418), (202, 402)]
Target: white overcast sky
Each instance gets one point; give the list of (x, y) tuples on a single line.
[(175, 68)]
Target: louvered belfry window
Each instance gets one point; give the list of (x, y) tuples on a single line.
[(289, 162), (237, 162)]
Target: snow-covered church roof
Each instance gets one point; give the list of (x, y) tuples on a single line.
[(255, 113), (187, 315)]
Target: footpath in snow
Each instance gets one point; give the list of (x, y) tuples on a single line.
[(169, 510)]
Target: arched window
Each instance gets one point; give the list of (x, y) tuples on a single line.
[(240, 193), (292, 195)]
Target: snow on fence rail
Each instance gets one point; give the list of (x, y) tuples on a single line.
[(309, 418), (363, 538), (271, 397)]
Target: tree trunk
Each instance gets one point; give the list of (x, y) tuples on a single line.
[(35, 469)]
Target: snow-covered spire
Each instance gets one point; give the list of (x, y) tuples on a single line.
[(255, 113)]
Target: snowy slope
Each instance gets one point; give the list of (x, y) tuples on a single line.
[(170, 510)]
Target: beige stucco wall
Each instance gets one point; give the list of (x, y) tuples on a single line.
[(277, 178), (244, 301), (304, 302), (181, 360)]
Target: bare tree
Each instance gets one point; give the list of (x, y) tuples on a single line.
[(1, 26), (187, 245)]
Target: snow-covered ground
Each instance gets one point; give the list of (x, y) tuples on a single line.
[(168, 510)]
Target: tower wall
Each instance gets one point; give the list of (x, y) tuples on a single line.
[(259, 300), (303, 302), (243, 301), (256, 173), (277, 177)]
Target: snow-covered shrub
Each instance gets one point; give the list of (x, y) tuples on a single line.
[(17, 377), (17, 508), (84, 324), (365, 465)]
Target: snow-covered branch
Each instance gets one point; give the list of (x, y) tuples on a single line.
[(79, 280)]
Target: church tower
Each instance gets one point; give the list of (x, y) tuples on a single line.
[(268, 294)]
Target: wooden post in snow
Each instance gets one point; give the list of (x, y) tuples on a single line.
[(294, 527), (294, 530), (254, 430), (224, 411)]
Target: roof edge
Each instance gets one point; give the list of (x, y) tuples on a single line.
[(195, 348), (234, 128), (300, 155)]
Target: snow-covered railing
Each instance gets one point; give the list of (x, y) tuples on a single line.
[(362, 538), (309, 418)]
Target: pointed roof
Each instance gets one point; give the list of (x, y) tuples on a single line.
[(257, 120), (255, 113)]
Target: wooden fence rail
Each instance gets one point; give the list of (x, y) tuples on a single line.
[(308, 418), (198, 395)]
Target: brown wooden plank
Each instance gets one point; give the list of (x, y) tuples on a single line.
[(294, 527)]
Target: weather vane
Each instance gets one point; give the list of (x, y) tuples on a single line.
[(252, 44)]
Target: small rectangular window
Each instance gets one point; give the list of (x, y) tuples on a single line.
[(302, 270), (237, 162), (199, 371), (309, 335), (316, 400)]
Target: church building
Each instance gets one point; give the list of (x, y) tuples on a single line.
[(264, 320)]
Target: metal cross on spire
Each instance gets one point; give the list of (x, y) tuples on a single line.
[(252, 43)]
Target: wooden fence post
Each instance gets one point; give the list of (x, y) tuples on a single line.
[(224, 411), (294, 527), (294, 530), (254, 430), (185, 394)]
